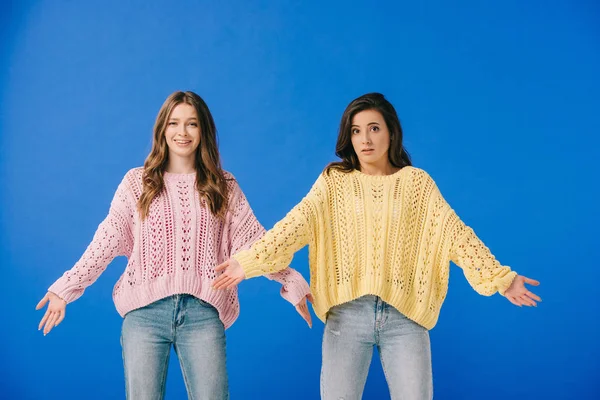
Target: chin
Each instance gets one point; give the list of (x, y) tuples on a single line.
[(368, 159)]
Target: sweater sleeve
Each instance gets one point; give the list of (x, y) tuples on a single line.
[(277, 247), (245, 230), (114, 237), (483, 272)]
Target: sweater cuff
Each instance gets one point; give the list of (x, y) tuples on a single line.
[(250, 264), (295, 291), (506, 281), (67, 295)]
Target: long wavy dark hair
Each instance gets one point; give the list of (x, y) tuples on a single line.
[(210, 180), (397, 154)]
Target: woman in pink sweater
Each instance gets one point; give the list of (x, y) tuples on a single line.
[(175, 220)]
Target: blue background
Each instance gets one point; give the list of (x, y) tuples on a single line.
[(499, 103)]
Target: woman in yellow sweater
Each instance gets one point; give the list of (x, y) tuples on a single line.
[(381, 238)]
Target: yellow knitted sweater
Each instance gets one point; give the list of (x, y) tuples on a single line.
[(392, 236)]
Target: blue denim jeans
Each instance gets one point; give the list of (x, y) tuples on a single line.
[(194, 329), (351, 331)]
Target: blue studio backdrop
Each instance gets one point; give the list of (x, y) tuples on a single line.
[(499, 103)]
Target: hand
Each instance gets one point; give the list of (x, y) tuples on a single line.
[(303, 310), (518, 294), (55, 312), (232, 275)]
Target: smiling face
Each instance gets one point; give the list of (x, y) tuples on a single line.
[(182, 133), (370, 139)]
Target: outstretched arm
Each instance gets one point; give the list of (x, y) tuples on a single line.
[(276, 248), (483, 271), (113, 238), (243, 230)]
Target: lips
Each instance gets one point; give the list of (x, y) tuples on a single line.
[(183, 142), (367, 151)]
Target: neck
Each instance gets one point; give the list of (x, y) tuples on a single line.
[(181, 165), (384, 168)]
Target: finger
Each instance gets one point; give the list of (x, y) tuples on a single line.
[(306, 310), (60, 319), (221, 267), (43, 301), (310, 298), (227, 283), (307, 319), (531, 281), (527, 301), (50, 323), (44, 319), (220, 281), (517, 301), (533, 296), (233, 282), (303, 311), (512, 300)]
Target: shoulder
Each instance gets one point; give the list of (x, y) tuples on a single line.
[(420, 184), (230, 180), (416, 175), (334, 174), (134, 175), (132, 181), (233, 187)]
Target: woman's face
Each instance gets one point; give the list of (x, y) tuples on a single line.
[(183, 131), (370, 138)]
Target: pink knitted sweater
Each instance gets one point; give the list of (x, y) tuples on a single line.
[(174, 250)]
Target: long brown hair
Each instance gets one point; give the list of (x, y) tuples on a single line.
[(397, 154), (210, 180)]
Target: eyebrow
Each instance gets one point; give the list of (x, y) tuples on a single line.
[(177, 119), (370, 123)]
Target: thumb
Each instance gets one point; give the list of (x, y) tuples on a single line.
[(221, 267), (310, 298), (531, 281), (42, 302)]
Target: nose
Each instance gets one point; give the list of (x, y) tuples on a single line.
[(182, 130), (366, 139)]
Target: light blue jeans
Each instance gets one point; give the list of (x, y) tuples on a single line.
[(194, 329), (351, 331)]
